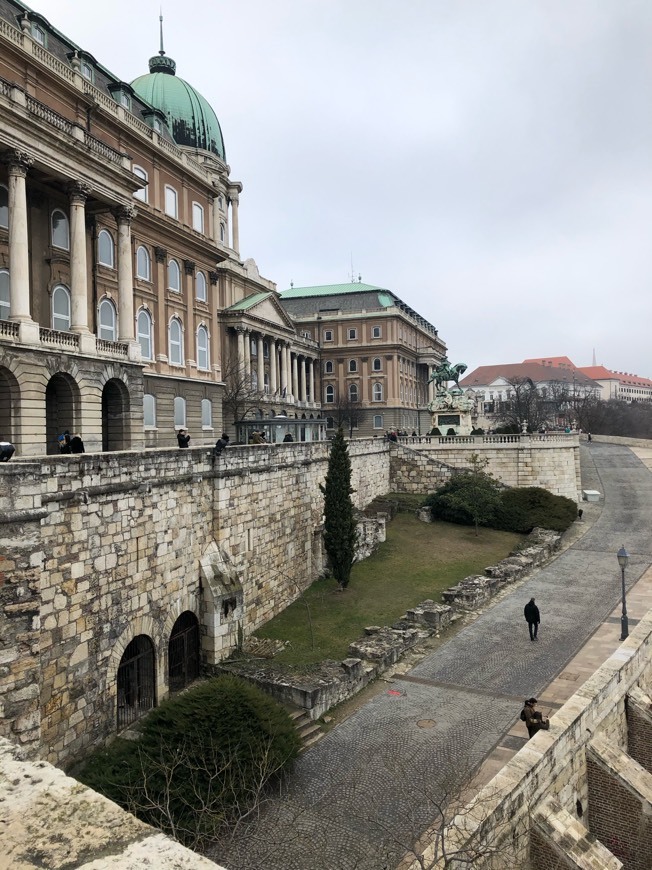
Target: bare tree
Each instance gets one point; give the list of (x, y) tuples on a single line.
[(240, 397), (345, 412)]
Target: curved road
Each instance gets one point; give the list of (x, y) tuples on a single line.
[(367, 790)]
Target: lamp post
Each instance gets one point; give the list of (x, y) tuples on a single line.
[(623, 558)]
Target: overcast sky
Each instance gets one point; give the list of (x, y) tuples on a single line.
[(487, 160)]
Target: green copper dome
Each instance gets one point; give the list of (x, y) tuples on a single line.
[(190, 118)]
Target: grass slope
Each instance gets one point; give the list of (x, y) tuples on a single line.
[(417, 561)]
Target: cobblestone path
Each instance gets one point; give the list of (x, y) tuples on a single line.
[(363, 794)]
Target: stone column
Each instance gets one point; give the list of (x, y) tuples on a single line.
[(311, 379), (124, 215), (241, 351), (302, 371), (216, 220), (295, 377), (247, 356), (18, 162), (235, 226), (273, 386), (284, 369), (261, 364), (78, 192)]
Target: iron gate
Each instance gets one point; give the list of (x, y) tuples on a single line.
[(136, 682), (183, 652)]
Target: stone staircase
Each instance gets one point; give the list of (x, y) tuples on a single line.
[(310, 732)]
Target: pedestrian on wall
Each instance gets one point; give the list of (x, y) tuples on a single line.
[(531, 613), (7, 450), (288, 437), (220, 444), (183, 439), (533, 718), (76, 444), (588, 435), (64, 442)]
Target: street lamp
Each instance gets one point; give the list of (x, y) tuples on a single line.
[(623, 559)]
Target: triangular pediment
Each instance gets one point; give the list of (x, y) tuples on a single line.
[(262, 306)]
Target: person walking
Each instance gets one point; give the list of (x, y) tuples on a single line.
[(534, 720), (533, 618)]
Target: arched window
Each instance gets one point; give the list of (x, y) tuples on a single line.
[(176, 342), (171, 201), (206, 414), (353, 392), (179, 412), (378, 392), (144, 329), (149, 411), (143, 264), (197, 217), (330, 394), (107, 320), (222, 233), (136, 681), (60, 230), (4, 207), (200, 286), (328, 367), (183, 652), (353, 365), (377, 364), (61, 308), (5, 298), (220, 202), (142, 193), (174, 276), (106, 249), (202, 348)]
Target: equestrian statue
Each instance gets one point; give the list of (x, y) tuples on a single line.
[(446, 372)]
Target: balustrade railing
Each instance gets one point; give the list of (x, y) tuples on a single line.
[(8, 329), (114, 348), (55, 338), (45, 113), (102, 148)]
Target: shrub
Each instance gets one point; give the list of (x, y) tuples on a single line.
[(202, 761), (468, 498), (523, 509)]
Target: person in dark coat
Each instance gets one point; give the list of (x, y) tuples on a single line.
[(7, 450), (531, 613), (64, 442), (220, 444), (534, 720), (288, 437), (183, 439), (76, 444)]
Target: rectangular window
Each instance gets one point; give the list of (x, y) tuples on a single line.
[(375, 332), (353, 334), (378, 421), (328, 335), (197, 217), (171, 202)]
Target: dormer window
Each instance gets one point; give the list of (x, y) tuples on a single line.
[(125, 100), (38, 34), (86, 70)]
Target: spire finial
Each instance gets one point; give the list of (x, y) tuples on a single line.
[(160, 18)]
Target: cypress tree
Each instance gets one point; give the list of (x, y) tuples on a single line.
[(339, 522)]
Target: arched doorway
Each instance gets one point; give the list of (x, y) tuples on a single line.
[(183, 652), (136, 681), (115, 416), (61, 409), (9, 406)]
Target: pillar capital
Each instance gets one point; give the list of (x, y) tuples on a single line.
[(189, 267), (18, 161), (160, 254), (79, 191), (213, 277), (124, 214)]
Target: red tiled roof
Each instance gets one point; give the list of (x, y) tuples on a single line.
[(602, 373), (538, 373), (561, 362)]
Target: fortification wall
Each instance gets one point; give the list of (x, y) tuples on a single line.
[(553, 765), (100, 548)]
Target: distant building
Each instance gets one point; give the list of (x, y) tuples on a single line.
[(613, 385), (376, 355)]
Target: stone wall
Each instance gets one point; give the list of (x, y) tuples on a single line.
[(51, 820), (590, 728), (100, 548), (549, 461)]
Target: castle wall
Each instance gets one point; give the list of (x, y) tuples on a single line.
[(97, 549)]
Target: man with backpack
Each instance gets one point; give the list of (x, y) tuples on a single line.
[(534, 720)]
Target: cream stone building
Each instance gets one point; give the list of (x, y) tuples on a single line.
[(376, 355), (121, 284)]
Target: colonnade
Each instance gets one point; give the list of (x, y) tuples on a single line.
[(291, 374), (18, 164)]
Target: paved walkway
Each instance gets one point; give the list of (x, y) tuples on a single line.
[(368, 789)]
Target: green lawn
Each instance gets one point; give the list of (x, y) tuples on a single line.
[(417, 561)]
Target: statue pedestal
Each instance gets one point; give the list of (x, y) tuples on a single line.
[(452, 410)]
